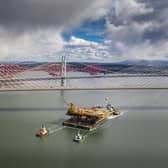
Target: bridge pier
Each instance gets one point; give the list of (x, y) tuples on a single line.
[(63, 72)]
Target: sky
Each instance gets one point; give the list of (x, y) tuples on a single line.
[(90, 30)]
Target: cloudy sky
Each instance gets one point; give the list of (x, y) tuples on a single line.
[(95, 30)]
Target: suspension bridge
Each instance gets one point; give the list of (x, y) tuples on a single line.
[(65, 75)]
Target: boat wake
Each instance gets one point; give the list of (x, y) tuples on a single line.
[(55, 129), (54, 126), (115, 116)]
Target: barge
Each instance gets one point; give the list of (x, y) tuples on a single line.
[(89, 118)]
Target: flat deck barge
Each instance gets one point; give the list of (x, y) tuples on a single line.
[(89, 118)]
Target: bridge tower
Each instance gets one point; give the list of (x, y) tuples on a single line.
[(63, 71)]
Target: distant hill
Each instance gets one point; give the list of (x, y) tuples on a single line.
[(27, 62), (128, 66), (154, 63)]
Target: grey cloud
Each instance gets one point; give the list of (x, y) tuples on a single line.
[(159, 16), (157, 4), (160, 11), (138, 29), (156, 34), (145, 17), (153, 17), (40, 13)]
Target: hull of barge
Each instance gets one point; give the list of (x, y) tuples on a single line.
[(74, 124)]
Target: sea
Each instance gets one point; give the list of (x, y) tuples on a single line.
[(137, 139)]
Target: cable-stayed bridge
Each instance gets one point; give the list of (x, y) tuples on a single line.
[(75, 76)]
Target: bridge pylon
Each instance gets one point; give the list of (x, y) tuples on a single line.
[(63, 71)]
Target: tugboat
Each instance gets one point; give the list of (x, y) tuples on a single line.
[(78, 137), (42, 132)]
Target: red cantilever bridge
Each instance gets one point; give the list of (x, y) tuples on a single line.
[(75, 76)]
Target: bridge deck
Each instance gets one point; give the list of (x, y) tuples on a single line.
[(82, 88)]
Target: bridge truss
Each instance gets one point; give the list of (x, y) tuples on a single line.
[(74, 76)]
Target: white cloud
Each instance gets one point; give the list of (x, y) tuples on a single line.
[(111, 51), (74, 41), (83, 50), (37, 46), (146, 50)]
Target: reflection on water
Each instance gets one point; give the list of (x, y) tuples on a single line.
[(137, 139)]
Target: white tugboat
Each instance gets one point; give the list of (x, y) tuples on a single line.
[(78, 137)]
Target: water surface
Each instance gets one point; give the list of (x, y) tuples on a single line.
[(137, 139)]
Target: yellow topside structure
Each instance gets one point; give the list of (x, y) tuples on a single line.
[(88, 118)]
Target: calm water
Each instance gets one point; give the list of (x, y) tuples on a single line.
[(139, 138)]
